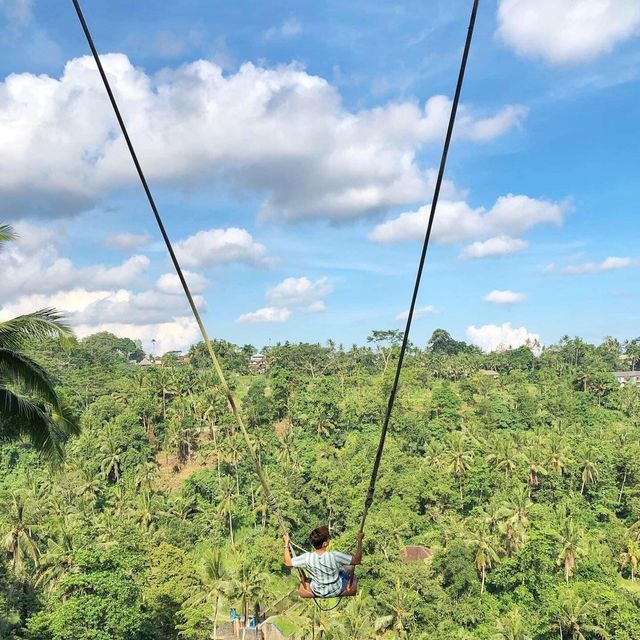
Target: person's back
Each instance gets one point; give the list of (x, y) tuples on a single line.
[(330, 571)]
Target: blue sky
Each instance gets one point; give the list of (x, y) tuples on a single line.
[(291, 149)]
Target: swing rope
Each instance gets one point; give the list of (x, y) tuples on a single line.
[(434, 203), (271, 501)]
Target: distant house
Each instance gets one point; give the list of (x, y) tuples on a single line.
[(490, 373), (627, 377), (258, 363)]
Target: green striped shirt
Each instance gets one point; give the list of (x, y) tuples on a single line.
[(324, 571)]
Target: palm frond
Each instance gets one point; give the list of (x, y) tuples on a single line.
[(7, 234), (21, 417), (28, 375), (45, 323)]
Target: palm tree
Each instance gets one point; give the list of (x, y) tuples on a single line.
[(215, 583), (535, 471), (19, 540), (29, 404), (558, 461), (631, 557), (111, 463), (574, 619), (504, 455), (573, 548), (225, 505), (511, 627), (590, 472), (248, 585), (484, 552), (458, 457)]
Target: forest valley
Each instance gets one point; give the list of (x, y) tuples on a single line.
[(518, 471)]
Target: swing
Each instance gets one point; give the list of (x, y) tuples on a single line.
[(304, 591)]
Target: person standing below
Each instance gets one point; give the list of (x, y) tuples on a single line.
[(331, 572)]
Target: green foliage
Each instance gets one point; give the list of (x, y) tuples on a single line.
[(517, 471)]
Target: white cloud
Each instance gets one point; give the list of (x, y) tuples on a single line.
[(33, 265), (177, 334), (146, 315), (567, 31), (221, 246), (493, 337), (609, 264), (421, 312), (315, 307), (288, 29), (128, 241), (505, 297), (280, 133), (511, 215), (266, 314), (298, 292), (493, 247), (170, 283)]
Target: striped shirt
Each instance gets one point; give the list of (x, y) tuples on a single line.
[(324, 571)]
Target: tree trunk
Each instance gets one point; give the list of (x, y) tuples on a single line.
[(215, 618), (582, 489), (484, 575), (231, 529), (624, 481)]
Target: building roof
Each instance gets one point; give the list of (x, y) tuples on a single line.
[(626, 374)]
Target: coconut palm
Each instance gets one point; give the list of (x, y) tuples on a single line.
[(511, 627), (214, 584), (590, 471), (574, 619), (504, 455), (558, 461), (19, 540), (458, 457), (485, 552), (111, 451), (226, 506), (573, 546), (631, 557), (29, 404), (248, 586)]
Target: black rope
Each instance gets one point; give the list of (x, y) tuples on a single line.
[(434, 203), (230, 399)]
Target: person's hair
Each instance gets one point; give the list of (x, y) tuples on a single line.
[(319, 536)]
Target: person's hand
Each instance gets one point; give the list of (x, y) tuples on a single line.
[(360, 536), (286, 538)]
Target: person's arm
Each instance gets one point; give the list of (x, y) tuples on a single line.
[(357, 556), (287, 550)]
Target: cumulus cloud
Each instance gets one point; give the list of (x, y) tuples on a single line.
[(95, 297), (567, 31), (299, 292), (455, 221), (33, 265), (128, 241), (146, 315), (266, 314), (498, 296), (608, 264), (292, 294), (421, 312), (170, 283), (493, 248), (280, 133), (221, 246), (493, 337)]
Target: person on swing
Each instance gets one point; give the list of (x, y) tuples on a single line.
[(331, 572)]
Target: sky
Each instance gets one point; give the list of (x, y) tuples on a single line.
[(292, 149)]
